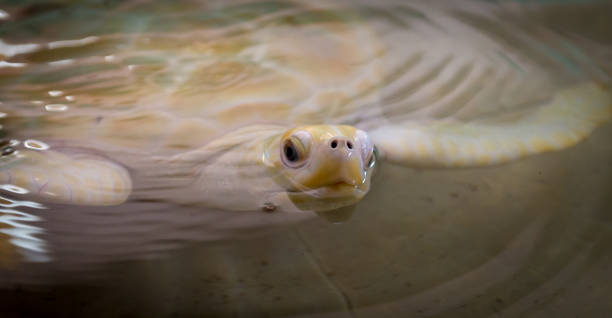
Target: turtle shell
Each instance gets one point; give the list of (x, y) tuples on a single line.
[(167, 92)]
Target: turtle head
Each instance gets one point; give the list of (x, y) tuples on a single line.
[(326, 166)]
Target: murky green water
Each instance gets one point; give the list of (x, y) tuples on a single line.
[(530, 238)]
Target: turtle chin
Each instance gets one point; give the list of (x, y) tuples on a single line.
[(329, 197), (342, 190)]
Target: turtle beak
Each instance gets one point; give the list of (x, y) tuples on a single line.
[(351, 170), (345, 163), (339, 164), (343, 152)]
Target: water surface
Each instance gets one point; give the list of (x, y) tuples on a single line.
[(529, 238)]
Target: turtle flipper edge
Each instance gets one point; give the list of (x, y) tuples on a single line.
[(561, 122), (66, 178)]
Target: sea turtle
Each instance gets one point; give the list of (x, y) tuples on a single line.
[(284, 112)]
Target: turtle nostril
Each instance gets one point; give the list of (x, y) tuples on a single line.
[(349, 145), (334, 144)]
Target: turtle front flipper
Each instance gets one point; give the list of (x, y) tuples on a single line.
[(80, 179), (566, 118)]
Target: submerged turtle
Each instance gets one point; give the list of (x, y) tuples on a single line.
[(282, 113)]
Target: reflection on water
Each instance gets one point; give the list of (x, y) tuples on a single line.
[(19, 228), (89, 92)]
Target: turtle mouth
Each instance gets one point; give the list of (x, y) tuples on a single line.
[(338, 190), (329, 197), (341, 186)]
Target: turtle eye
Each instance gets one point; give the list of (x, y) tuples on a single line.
[(291, 153), (294, 152)]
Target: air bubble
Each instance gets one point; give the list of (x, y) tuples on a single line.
[(56, 107), (35, 144), (55, 93)]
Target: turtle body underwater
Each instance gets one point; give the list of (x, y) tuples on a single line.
[(287, 111)]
